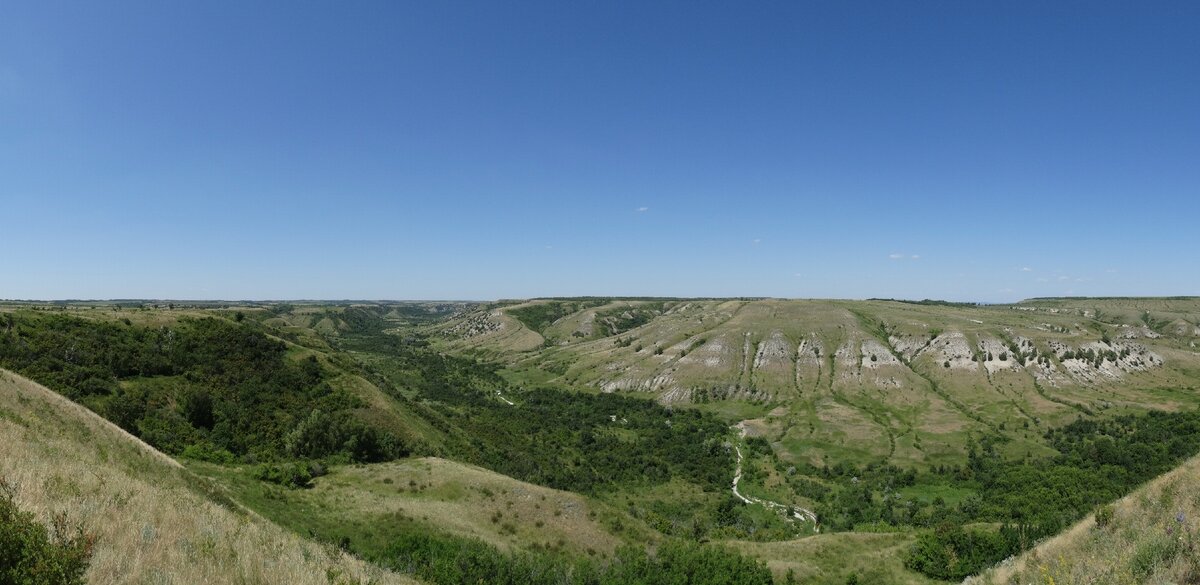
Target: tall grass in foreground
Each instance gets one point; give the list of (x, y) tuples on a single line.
[(149, 524), (1150, 536)]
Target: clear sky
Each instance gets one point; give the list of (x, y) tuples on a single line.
[(985, 151)]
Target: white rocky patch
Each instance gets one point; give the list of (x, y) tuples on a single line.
[(631, 384), (876, 355), (808, 352), (952, 347), (846, 356), (1139, 332), (716, 353), (745, 351), (1098, 361), (774, 352), (908, 346), (996, 356)]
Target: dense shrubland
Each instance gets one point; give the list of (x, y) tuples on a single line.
[(207, 388), (579, 442), (1012, 503), (227, 391), (450, 561), (539, 316), (618, 320)]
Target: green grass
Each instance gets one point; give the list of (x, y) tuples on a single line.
[(831, 559), (952, 495), (889, 407), (368, 507)]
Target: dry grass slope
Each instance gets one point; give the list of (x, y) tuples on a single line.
[(152, 524), (1153, 537)]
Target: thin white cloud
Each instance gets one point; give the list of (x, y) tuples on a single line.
[(757, 241), (1005, 290), (1043, 279), (895, 256), (915, 256), (1064, 278), (1026, 269), (643, 209)]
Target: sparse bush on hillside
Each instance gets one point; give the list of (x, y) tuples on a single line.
[(539, 316), (32, 555), (291, 475), (1104, 515), (621, 319)]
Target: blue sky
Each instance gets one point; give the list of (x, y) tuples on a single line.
[(985, 151)]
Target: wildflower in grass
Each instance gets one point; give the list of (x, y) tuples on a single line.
[(1047, 578)]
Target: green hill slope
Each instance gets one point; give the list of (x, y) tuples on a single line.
[(152, 520), (926, 439), (1152, 536), (905, 382)]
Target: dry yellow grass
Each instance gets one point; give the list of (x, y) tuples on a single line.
[(152, 524), (1153, 537), (472, 502)]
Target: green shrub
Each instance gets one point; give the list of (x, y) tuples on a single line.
[(1104, 515), (205, 451), (952, 553), (32, 555), (291, 475), (446, 560), (1151, 554)]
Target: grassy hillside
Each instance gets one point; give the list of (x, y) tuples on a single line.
[(835, 559), (219, 384), (860, 380), (931, 439), (890, 414), (151, 520), (1151, 536), (270, 416), (369, 506)]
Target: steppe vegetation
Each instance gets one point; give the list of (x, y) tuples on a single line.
[(592, 440), (142, 517)]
